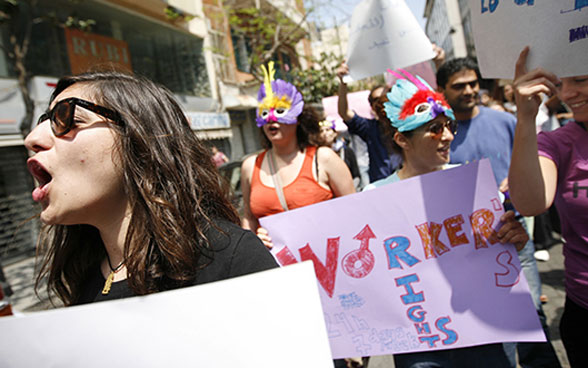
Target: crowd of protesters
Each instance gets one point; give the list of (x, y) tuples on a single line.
[(132, 202)]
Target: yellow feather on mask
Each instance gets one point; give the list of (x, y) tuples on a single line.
[(268, 78)]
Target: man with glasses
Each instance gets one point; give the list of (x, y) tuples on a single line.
[(488, 133)]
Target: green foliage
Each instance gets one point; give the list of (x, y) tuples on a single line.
[(82, 24), (18, 19), (265, 33), (174, 14), (320, 80)]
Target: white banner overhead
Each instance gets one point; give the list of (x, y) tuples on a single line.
[(384, 34), (556, 31)]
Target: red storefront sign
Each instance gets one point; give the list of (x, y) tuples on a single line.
[(88, 50)]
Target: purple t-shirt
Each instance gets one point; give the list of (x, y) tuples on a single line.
[(568, 148)]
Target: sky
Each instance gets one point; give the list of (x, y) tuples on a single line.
[(332, 12)]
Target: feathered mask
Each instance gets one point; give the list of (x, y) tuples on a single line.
[(279, 101), (412, 102)]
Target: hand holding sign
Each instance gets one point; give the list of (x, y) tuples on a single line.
[(402, 269), (528, 86)]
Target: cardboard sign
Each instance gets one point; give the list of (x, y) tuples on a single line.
[(268, 319), (410, 266), (384, 34), (356, 101), (556, 31)]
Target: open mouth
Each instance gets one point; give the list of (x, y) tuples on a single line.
[(43, 178), (274, 128)]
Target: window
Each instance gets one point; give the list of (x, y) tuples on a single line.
[(170, 57)]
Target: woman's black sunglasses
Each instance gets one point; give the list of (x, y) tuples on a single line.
[(61, 115), (438, 127)]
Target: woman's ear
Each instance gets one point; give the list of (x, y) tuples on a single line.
[(401, 140)]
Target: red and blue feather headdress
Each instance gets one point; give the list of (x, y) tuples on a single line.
[(413, 103)]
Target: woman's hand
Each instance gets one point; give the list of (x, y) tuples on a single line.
[(342, 71), (265, 238), (512, 231), (528, 87)]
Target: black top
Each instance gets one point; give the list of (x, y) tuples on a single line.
[(236, 253), (351, 161)]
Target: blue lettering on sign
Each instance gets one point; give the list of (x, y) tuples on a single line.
[(491, 5), (422, 328), (396, 248), (441, 325), (410, 297), (522, 2), (416, 316), (430, 340), (350, 301), (578, 5), (576, 34)]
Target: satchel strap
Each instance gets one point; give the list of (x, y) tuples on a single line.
[(276, 179)]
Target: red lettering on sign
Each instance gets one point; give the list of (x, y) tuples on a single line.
[(325, 273), (430, 239), (453, 227), (482, 221), (285, 257), (360, 262), (511, 274)]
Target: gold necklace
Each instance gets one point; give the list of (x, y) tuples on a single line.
[(110, 278)]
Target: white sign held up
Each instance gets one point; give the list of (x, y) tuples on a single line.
[(384, 34), (556, 31)]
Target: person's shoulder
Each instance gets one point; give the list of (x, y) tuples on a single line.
[(233, 251), (565, 134), (248, 164), (389, 180), (496, 115), (224, 233), (325, 153)]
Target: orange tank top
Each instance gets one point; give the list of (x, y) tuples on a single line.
[(303, 191)]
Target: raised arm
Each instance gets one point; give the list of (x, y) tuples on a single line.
[(342, 105), (532, 178), (334, 172)]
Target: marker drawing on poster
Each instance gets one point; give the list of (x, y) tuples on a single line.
[(555, 31), (412, 266), (384, 34)]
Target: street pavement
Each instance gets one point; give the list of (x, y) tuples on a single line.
[(20, 275)]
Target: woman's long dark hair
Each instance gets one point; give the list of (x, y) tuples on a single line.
[(173, 188)]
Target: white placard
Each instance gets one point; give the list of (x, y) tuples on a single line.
[(268, 319), (556, 31), (384, 34)]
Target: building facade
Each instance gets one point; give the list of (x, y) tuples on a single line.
[(449, 26), (230, 53), (135, 36), (185, 45)]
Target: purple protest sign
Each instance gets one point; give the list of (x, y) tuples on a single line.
[(356, 101), (409, 266)]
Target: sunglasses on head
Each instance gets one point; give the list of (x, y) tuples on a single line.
[(61, 115), (438, 127)]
